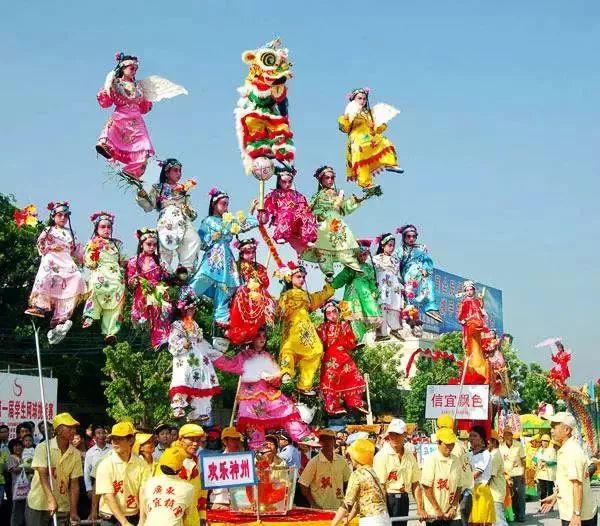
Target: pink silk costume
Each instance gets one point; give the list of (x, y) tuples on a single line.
[(472, 318), (125, 135), (143, 309), (58, 285), (340, 378), (252, 306), (292, 218), (262, 405)]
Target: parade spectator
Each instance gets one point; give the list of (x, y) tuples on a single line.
[(288, 451), (340, 443), (42, 431), (232, 443), (84, 504), (4, 454), (92, 457), (61, 500), (497, 481), (322, 481), (545, 462), (397, 471), (119, 478), (576, 503), (163, 440), (364, 495), (483, 512), (21, 475), (269, 452), (28, 448), (441, 478), (166, 499), (144, 447), (21, 430), (213, 439), (513, 456)]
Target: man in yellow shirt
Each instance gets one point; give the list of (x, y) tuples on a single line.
[(322, 481), (397, 471), (166, 499), (119, 478), (576, 503), (513, 456), (66, 468), (441, 478)]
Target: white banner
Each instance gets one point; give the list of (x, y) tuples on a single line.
[(20, 399), (226, 470), (469, 402)]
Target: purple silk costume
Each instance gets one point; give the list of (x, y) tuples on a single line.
[(125, 135)]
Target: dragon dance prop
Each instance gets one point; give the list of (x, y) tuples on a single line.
[(428, 353)]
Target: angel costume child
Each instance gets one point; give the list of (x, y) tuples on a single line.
[(300, 344), (252, 306), (262, 406), (341, 380), (217, 276), (361, 292), (335, 241), (176, 234), (287, 210), (58, 285), (367, 152), (125, 137), (151, 302), (107, 284), (416, 268), (194, 381), (387, 265)]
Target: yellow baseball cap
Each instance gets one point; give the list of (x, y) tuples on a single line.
[(231, 432), (191, 430), (122, 429), (64, 419), (140, 440), (545, 438), (446, 435), (172, 458), (535, 437), (445, 421), (494, 434), (362, 451)]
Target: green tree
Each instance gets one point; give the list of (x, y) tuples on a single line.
[(536, 389)]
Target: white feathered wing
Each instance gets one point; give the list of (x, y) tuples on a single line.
[(383, 113), (156, 88)]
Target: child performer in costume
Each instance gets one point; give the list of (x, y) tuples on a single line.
[(252, 305), (300, 343), (194, 381), (262, 405), (171, 199), (335, 241), (58, 285), (107, 286), (387, 265), (217, 276), (125, 136), (416, 267), (288, 210), (368, 151), (472, 317), (361, 292), (340, 378), (151, 301)]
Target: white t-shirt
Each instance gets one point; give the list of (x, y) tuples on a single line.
[(482, 461)]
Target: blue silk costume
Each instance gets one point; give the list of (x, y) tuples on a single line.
[(416, 271)]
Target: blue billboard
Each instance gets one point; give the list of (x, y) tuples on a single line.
[(447, 286)]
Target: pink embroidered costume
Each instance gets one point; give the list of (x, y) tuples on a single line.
[(340, 378), (58, 285), (288, 211), (252, 306), (262, 405), (151, 302), (107, 283), (125, 137)]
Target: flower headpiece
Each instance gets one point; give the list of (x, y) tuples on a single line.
[(124, 60), (58, 206), (216, 194), (146, 233), (167, 164), (331, 303), (246, 244), (285, 273), (385, 239), (285, 172), (406, 229), (365, 91), (187, 298), (321, 170), (102, 216), (467, 285), (364, 245)]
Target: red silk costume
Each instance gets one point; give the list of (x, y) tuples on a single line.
[(472, 318)]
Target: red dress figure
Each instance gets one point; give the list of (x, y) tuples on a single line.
[(252, 306), (560, 372), (287, 210), (341, 380)]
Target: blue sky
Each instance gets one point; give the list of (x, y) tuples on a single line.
[(499, 121)]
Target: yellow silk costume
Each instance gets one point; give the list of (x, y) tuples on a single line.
[(367, 150), (300, 341)]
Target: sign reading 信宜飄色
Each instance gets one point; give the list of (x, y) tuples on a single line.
[(469, 402)]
